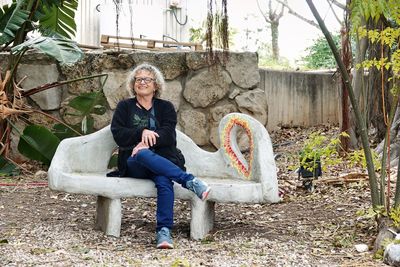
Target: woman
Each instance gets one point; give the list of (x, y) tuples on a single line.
[(144, 129)]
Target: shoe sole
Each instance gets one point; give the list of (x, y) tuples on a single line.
[(206, 193), (165, 245)]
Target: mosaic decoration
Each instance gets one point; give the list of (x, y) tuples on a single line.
[(227, 137)]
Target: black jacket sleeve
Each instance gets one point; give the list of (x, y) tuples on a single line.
[(166, 116), (124, 133)]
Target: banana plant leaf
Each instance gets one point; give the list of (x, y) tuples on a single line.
[(87, 103), (62, 131), (38, 143), (63, 50), (87, 125), (11, 20), (58, 18), (7, 168)]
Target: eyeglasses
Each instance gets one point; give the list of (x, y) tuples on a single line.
[(146, 80)]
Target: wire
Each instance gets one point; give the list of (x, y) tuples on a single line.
[(176, 18)]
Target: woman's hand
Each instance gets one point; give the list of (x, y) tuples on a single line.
[(149, 137), (139, 146)]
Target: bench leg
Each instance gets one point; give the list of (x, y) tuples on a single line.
[(202, 221), (108, 215)]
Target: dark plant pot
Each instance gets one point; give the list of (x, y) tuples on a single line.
[(308, 176)]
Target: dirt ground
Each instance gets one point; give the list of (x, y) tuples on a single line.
[(39, 227)]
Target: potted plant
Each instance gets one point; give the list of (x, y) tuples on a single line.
[(317, 149)]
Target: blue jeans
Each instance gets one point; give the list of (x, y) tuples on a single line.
[(148, 165)]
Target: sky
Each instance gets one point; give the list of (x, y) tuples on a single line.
[(295, 35)]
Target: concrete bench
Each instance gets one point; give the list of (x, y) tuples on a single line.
[(80, 166)]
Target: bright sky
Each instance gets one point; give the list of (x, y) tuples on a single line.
[(294, 34)]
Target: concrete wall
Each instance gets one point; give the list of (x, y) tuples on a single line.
[(300, 98)]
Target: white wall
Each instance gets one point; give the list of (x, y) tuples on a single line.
[(152, 19), (3, 2)]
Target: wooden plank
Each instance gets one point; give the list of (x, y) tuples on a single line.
[(150, 44)]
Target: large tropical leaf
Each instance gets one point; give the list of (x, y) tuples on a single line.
[(38, 143), (7, 168), (11, 20), (63, 50), (58, 17), (88, 103), (62, 131)]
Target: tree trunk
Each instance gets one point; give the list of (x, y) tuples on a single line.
[(346, 57), (359, 85), (274, 39)]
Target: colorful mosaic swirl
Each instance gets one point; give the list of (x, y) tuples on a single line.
[(227, 147)]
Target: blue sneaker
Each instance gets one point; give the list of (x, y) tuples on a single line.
[(164, 239), (200, 188)]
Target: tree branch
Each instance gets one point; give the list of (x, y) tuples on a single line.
[(338, 4), (333, 11), (262, 13), (294, 13)]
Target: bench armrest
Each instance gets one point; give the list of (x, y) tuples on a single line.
[(88, 153)]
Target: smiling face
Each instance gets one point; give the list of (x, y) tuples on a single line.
[(144, 83)]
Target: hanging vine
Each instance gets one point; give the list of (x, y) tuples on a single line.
[(217, 31)]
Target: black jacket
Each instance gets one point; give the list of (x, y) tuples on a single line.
[(128, 123)]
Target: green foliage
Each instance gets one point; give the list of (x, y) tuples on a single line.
[(373, 9), (58, 18), (394, 215), (63, 50), (319, 148), (50, 17), (7, 168), (373, 213), (11, 20), (38, 143), (85, 105), (388, 36), (357, 158), (62, 131), (319, 54)]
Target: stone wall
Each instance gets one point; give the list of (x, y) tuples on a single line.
[(201, 94)]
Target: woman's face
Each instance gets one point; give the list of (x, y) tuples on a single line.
[(144, 83)]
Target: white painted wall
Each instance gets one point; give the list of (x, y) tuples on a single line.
[(4, 2), (152, 19)]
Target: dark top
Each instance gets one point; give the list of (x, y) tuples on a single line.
[(128, 123)]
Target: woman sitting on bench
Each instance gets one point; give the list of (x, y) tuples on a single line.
[(144, 129)]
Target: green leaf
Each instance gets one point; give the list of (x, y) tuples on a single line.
[(7, 168), (38, 143), (11, 20), (58, 18), (87, 125), (63, 50), (62, 131), (88, 103)]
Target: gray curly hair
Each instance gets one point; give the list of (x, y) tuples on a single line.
[(159, 79)]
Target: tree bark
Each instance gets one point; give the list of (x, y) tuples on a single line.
[(275, 39)]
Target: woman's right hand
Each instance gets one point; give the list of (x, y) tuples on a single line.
[(139, 146)]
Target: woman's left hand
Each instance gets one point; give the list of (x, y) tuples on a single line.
[(149, 137)]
